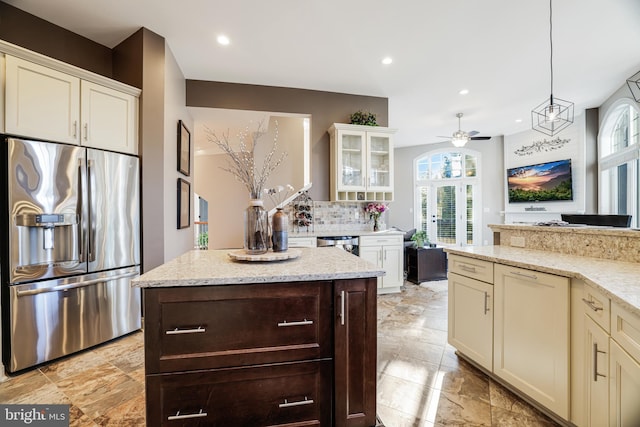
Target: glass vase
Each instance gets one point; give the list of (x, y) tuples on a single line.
[(280, 231), (256, 228)]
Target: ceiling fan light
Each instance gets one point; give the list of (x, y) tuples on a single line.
[(459, 140)]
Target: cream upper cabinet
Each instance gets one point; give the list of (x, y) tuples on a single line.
[(109, 118), (44, 103), (361, 163), (385, 252), (41, 102), (531, 334)]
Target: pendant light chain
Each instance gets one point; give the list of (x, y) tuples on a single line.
[(552, 115), (551, 45)]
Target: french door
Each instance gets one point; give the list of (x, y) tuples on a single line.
[(448, 211)]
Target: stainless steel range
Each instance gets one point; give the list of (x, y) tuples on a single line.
[(70, 239)]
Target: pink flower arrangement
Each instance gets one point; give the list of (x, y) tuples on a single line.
[(375, 209)]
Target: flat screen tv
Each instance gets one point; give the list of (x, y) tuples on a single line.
[(544, 182)]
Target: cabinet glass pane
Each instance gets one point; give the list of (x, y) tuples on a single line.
[(352, 146), (379, 162)]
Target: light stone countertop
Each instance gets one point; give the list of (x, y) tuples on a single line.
[(215, 267), (618, 280)]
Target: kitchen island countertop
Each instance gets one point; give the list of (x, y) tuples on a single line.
[(215, 267)]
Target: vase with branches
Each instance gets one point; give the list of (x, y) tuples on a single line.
[(242, 165)]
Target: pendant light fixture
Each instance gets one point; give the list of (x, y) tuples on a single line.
[(634, 86), (554, 114)]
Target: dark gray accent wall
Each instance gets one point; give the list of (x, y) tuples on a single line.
[(36, 34), (140, 61), (325, 109), (592, 128)]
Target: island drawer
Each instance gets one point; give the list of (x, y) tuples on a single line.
[(205, 327), (285, 394), (471, 267)]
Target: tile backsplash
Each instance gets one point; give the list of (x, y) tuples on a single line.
[(339, 216)]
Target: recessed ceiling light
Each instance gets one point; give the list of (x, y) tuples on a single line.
[(518, 120), (387, 60), (464, 91), (223, 40)]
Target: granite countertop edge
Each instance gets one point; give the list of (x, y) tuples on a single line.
[(616, 279), (216, 268)]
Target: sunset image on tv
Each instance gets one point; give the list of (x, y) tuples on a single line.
[(541, 182)]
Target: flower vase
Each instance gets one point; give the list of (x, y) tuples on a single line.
[(375, 223), (256, 228), (279, 230)]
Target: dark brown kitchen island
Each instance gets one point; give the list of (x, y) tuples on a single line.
[(261, 343)]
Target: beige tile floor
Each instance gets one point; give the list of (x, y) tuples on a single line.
[(421, 382)]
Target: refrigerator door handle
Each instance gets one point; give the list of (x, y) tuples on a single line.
[(79, 210), (91, 221), (74, 285)]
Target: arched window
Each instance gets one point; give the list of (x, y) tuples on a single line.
[(619, 161), (447, 197)]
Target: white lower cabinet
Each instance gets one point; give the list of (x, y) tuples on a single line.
[(387, 253), (624, 368), (531, 335), (470, 328)]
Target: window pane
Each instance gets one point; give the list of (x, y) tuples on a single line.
[(622, 190), (446, 214), (620, 136), (424, 204), (469, 214), (470, 165), (423, 169), (634, 127)]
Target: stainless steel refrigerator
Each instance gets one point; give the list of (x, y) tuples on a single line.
[(70, 246)]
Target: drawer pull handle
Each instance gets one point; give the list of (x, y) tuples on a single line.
[(342, 302), (596, 374), (486, 302), (177, 416), (299, 323), (592, 305), (528, 276), (288, 404), (177, 331), (465, 267)]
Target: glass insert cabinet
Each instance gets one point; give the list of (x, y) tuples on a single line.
[(361, 163)]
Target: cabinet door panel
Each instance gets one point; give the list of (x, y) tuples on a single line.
[(373, 254), (470, 328), (41, 102), (624, 388), (531, 334), (392, 257), (108, 119), (355, 353), (596, 373), (351, 160)]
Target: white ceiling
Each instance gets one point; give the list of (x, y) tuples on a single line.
[(497, 49)]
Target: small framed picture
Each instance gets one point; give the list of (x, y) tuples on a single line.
[(184, 149), (184, 203)]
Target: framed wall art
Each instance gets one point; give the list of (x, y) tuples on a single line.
[(184, 203), (184, 149)]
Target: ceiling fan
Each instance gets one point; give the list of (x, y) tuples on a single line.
[(460, 137)]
